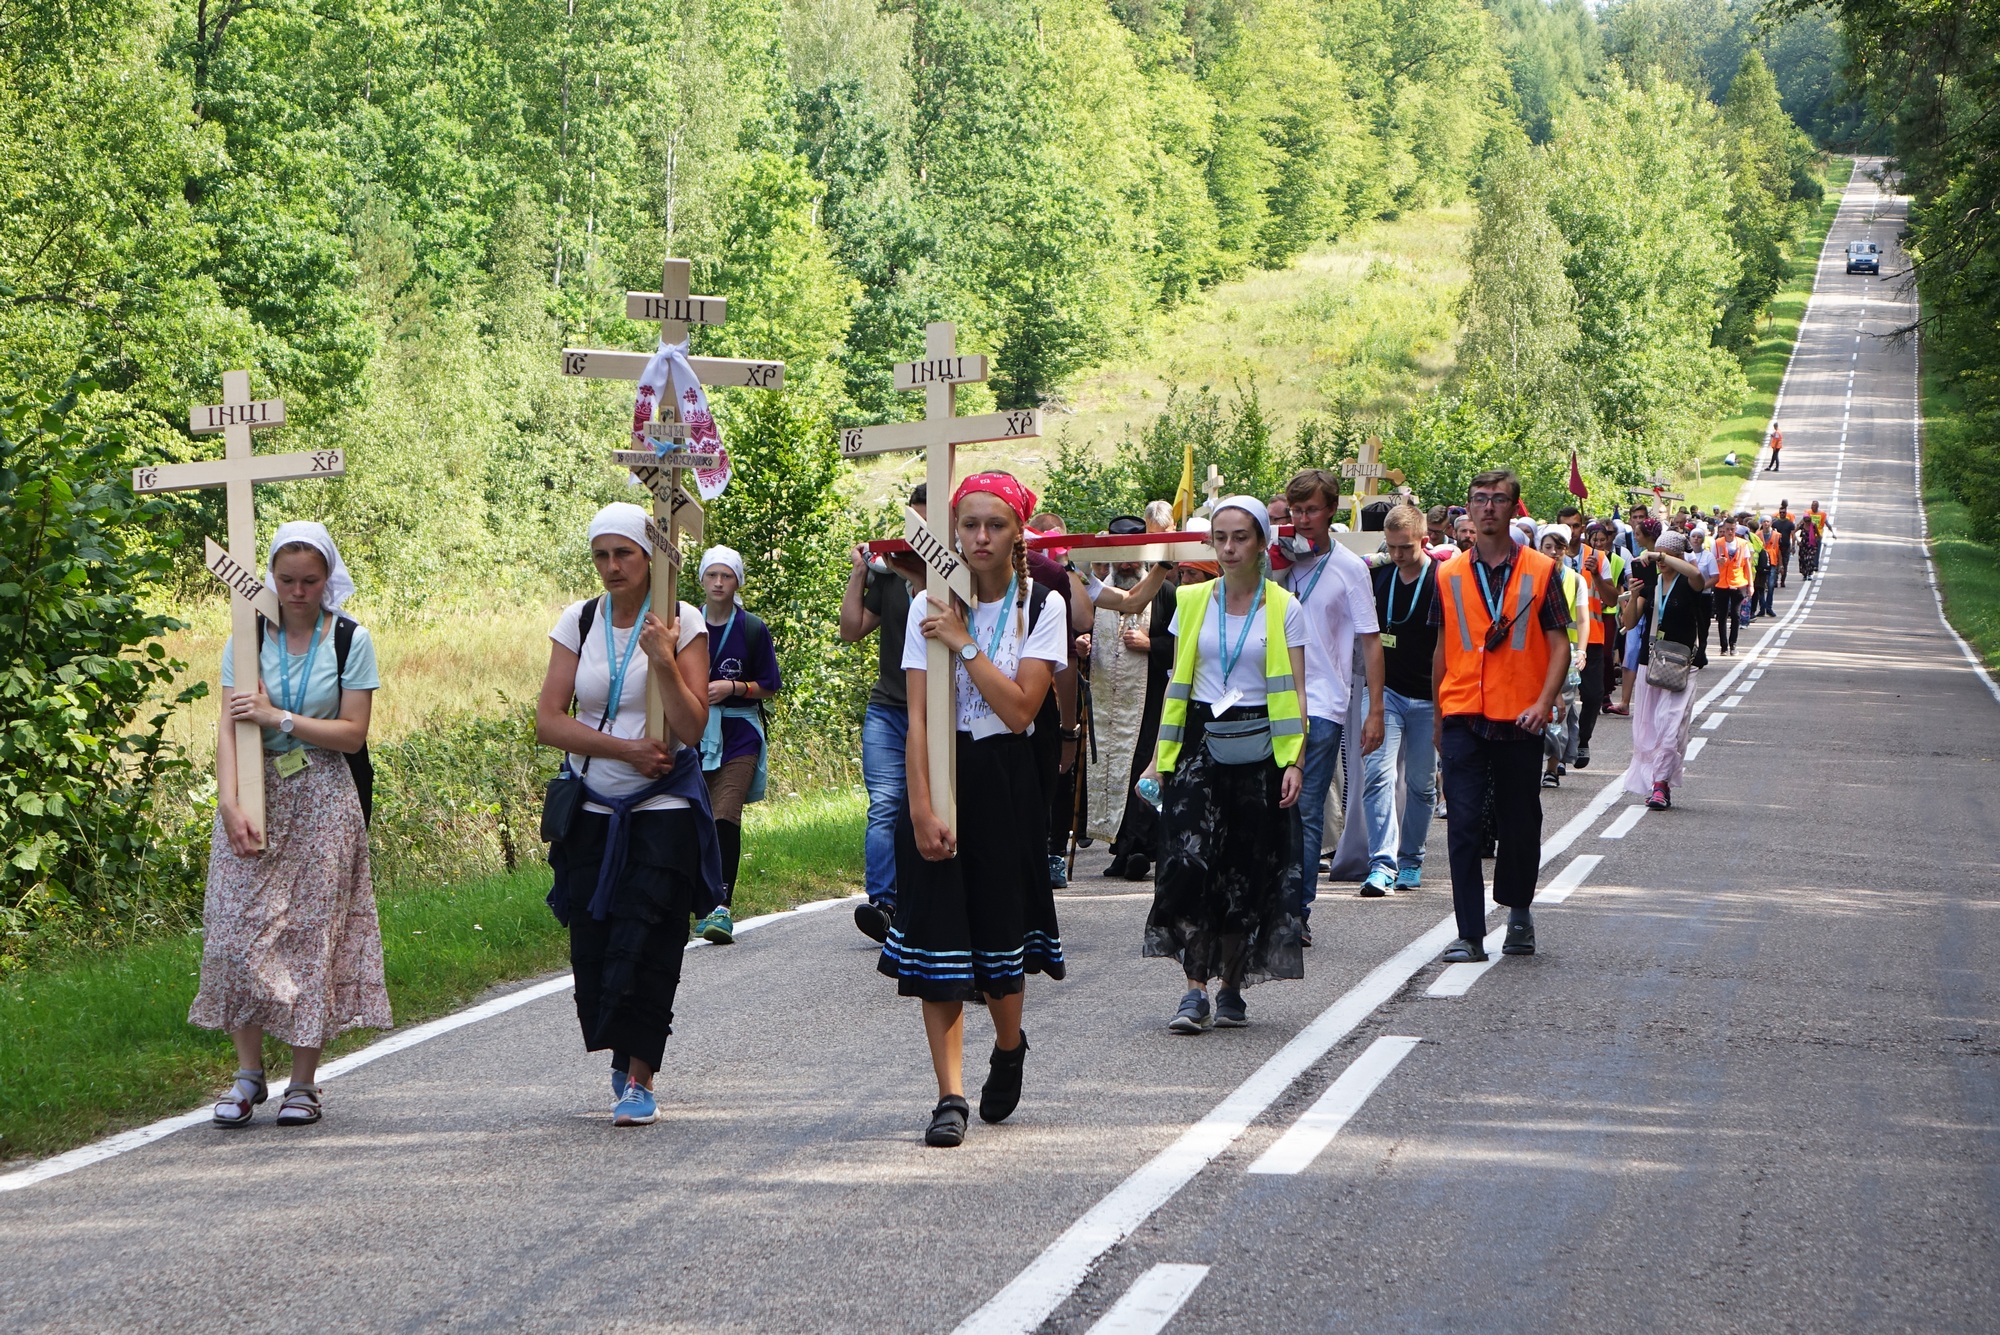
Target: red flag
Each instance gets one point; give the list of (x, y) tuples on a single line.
[(1576, 487)]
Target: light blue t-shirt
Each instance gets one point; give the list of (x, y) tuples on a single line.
[(322, 692)]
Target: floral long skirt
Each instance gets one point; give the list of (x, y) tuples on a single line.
[(290, 941)]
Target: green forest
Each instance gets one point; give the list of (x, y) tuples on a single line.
[(396, 212)]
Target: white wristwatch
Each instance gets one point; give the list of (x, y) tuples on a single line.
[(968, 651), (285, 723)]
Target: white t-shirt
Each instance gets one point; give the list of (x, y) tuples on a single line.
[(1339, 600), (1247, 675), (1047, 640), (615, 778), (1704, 561)]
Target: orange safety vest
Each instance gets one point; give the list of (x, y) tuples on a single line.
[(1506, 682), (1771, 549), (1732, 560)]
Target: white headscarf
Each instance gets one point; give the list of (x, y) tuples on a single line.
[(1524, 531), (1249, 505), (1560, 530), (624, 519), (339, 584), (729, 559)]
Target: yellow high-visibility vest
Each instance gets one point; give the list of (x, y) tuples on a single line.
[(1281, 691)]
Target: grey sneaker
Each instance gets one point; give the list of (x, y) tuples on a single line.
[(1230, 1012), (1194, 1015)]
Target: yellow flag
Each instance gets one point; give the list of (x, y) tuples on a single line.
[(1184, 496)]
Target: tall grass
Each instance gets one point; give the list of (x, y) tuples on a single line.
[(1718, 483), (440, 661), (1968, 570), (98, 1040)]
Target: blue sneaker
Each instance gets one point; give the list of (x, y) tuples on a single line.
[(636, 1108), (1409, 878), (1058, 872), (618, 1079), (1378, 883), (718, 928)]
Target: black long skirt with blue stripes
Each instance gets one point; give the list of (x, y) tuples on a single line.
[(977, 924)]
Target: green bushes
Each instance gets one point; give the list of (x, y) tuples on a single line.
[(82, 758)]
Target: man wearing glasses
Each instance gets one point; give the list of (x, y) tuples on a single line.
[(1502, 655)]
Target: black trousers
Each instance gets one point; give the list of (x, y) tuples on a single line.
[(1511, 772), (1728, 608), (1590, 694)]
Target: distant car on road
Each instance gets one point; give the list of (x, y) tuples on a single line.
[(1864, 257)]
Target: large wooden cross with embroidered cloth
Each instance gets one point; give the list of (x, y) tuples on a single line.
[(672, 430), (237, 472), (937, 434)]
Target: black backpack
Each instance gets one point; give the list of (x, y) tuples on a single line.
[(358, 763)]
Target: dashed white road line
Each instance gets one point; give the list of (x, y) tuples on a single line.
[(1694, 749), (1294, 1151), (1455, 980), (1151, 1302), (1627, 818), (1713, 721)]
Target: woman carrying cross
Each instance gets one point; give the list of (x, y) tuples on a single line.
[(639, 856), (290, 942), (976, 914)]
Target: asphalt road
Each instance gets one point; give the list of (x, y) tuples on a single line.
[(1749, 1083)]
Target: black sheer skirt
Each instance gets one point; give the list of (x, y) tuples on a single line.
[(1226, 897)]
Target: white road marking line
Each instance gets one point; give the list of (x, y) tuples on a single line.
[(1040, 1288), (1294, 1151), (126, 1141), (1627, 818), (1924, 520), (1151, 1302), (1754, 676), (1732, 701), (1712, 722), (1694, 749), (1558, 843), (1455, 980)]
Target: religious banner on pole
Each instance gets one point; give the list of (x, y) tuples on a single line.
[(673, 430)]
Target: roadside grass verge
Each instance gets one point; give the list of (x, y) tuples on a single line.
[(96, 1041), (1719, 483), (1968, 570)]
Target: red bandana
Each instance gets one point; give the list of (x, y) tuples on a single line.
[(1004, 485)]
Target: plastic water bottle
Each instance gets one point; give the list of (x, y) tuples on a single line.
[(1149, 788)]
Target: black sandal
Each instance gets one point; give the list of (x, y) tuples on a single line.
[(948, 1119), (1463, 951), (1001, 1093)]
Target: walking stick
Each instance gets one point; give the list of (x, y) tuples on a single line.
[(1087, 724)]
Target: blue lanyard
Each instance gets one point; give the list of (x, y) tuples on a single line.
[(1230, 661), (1660, 631), (617, 669), (999, 623), (1305, 593), (717, 643), (286, 701), (1416, 592), (1494, 601)]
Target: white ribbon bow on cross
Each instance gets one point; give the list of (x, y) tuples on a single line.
[(669, 367)]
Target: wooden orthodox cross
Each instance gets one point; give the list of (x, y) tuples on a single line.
[(238, 568), (937, 435), (1214, 489), (1655, 490), (659, 469)]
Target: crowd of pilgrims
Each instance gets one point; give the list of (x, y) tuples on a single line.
[(1192, 716)]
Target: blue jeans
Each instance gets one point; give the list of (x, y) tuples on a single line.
[(1406, 743), (1321, 757), (883, 733)]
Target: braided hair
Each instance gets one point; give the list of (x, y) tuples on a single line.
[(1020, 585)]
